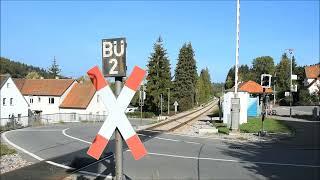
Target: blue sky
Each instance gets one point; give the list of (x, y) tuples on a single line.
[(35, 31)]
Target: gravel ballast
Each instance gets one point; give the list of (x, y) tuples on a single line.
[(11, 162)]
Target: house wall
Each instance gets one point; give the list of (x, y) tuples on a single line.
[(41, 103), (244, 96), (19, 105), (95, 107)]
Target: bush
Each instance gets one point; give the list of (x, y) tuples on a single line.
[(306, 99), (284, 101)]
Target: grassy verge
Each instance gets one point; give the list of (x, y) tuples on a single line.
[(254, 125), (270, 125), (4, 150), (222, 128)]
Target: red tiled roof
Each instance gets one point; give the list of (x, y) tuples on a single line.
[(253, 88), (312, 72), (80, 96), (43, 87)]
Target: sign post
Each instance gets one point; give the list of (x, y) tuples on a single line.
[(175, 107), (114, 65), (118, 138), (142, 97)]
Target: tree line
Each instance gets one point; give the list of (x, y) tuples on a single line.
[(280, 79), (22, 70), (186, 87)]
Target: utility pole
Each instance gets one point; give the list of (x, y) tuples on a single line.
[(235, 101), (237, 50), (274, 89), (291, 55), (141, 100), (168, 101), (161, 104)]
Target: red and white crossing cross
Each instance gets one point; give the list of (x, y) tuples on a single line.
[(116, 117)]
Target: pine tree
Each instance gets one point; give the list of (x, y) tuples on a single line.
[(204, 86), (159, 78), (54, 69), (185, 78), (283, 76)]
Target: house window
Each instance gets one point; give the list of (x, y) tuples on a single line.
[(4, 101), (11, 101), (39, 99), (8, 85), (31, 99), (51, 100)]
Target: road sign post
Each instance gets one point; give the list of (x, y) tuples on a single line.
[(175, 107), (118, 138), (116, 118), (114, 65), (142, 97)]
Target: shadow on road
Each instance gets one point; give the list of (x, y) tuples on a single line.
[(281, 160)]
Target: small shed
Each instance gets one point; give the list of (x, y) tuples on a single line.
[(255, 91), (227, 105)]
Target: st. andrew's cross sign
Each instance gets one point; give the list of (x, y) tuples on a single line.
[(116, 117)]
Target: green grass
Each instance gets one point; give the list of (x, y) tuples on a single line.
[(4, 150), (270, 125), (222, 128)]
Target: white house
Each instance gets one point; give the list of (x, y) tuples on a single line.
[(312, 81), (83, 100), (44, 95), (13, 104)]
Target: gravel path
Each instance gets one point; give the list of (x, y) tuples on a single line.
[(11, 162)]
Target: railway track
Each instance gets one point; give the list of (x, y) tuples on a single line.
[(179, 120)]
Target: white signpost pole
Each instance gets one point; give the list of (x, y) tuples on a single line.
[(175, 107)]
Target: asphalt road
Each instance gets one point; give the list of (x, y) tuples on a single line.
[(296, 110), (170, 156)]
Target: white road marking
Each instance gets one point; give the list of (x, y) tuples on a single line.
[(167, 139), (221, 160), (72, 137), (39, 130), (3, 135), (235, 161), (20, 148)]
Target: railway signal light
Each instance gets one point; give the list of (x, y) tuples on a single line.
[(266, 80)]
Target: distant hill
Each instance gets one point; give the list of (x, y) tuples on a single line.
[(20, 70)]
